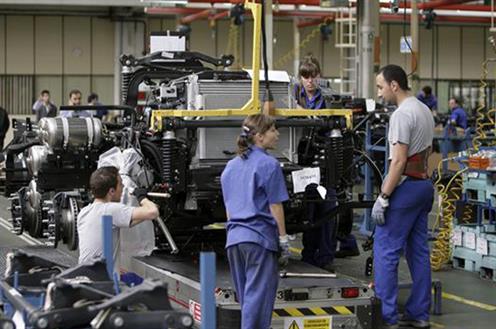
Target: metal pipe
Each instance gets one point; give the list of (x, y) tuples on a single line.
[(168, 236), (219, 15), (193, 17), (446, 19), (414, 32), (16, 299), (237, 123)]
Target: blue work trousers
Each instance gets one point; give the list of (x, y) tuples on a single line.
[(319, 244), (255, 275), (405, 229)]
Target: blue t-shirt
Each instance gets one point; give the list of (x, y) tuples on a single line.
[(460, 117), (249, 186), (430, 101), (316, 102)]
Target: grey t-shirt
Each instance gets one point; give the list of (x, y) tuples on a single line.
[(90, 227), (411, 124)]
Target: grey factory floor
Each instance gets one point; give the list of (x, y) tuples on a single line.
[(468, 302)]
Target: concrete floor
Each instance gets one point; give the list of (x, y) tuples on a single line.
[(468, 302)]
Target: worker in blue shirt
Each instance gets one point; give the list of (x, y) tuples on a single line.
[(253, 188), (427, 97), (319, 244), (458, 117), (307, 93)]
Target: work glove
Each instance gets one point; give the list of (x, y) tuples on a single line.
[(284, 250), (140, 193), (379, 209)]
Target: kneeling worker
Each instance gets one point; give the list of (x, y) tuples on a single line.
[(106, 186)]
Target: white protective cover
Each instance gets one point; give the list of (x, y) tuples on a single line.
[(140, 239)]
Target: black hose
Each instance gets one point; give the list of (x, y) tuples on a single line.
[(268, 95)]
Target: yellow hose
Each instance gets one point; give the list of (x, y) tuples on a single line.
[(441, 249), (290, 54)]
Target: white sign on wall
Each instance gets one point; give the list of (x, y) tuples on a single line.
[(406, 45)]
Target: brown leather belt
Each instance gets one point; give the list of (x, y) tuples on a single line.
[(417, 164)]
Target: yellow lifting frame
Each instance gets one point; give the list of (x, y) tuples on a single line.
[(253, 105)]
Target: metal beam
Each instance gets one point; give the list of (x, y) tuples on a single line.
[(106, 3)]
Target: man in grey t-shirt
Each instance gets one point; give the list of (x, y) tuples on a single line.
[(106, 186), (402, 208)]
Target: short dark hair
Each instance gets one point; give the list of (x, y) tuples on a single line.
[(427, 90), (456, 99), (392, 73), (309, 67), (74, 91), (92, 97), (102, 180), (44, 91)]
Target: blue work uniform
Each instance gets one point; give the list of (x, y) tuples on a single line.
[(459, 116), (319, 244), (249, 186), (316, 102), (406, 217), (430, 101)]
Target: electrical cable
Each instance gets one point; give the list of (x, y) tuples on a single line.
[(414, 57), (268, 96)]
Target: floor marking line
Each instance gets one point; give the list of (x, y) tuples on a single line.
[(32, 241), (470, 302)]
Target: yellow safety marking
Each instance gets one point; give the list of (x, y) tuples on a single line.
[(275, 315), (470, 302), (293, 311), (318, 311), (216, 226), (436, 325), (295, 250), (342, 310)]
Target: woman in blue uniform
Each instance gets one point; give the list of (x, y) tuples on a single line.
[(253, 188)]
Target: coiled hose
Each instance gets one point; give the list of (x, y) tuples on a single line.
[(448, 195), (485, 120)]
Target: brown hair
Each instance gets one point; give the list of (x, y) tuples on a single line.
[(309, 67), (252, 125), (102, 180)]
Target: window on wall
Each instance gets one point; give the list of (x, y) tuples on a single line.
[(468, 91)]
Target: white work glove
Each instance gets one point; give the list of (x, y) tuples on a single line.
[(379, 209), (284, 250)]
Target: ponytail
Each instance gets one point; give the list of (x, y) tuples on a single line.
[(252, 125)]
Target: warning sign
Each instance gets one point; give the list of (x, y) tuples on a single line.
[(308, 322), (195, 310)]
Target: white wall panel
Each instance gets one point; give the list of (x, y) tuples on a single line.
[(2, 44), (19, 45), (472, 52), (425, 53), (203, 37), (48, 45), (102, 48), (283, 44), (449, 52), (77, 45)]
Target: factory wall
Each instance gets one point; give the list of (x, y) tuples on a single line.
[(60, 53)]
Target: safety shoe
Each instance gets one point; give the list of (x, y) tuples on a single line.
[(347, 253), (405, 322)]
